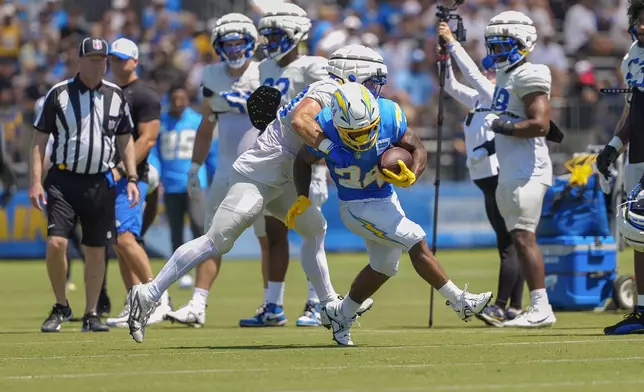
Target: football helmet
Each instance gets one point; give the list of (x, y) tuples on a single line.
[(356, 116), (282, 30), (630, 219), (229, 30), (360, 64), (509, 37)]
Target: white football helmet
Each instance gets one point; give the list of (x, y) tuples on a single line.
[(234, 27), (630, 219), (356, 116), (509, 37), (282, 30), (360, 64)]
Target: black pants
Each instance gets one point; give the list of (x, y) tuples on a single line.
[(177, 205), (511, 281)]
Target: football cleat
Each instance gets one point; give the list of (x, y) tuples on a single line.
[(269, 315), (493, 316), (120, 321), (631, 324), (533, 318), (340, 325), (141, 308), (159, 313), (57, 316), (311, 316), (469, 304), (93, 323), (366, 306), (189, 314)]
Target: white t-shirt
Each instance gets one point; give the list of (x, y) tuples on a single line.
[(580, 24)]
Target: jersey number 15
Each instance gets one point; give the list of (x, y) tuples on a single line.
[(177, 144)]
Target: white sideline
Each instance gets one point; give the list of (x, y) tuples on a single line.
[(318, 368)]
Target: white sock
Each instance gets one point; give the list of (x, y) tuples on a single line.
[(539, 298), (165, 298), (275, 293), (451, 292), (200, 297), (313, 296), (265, 295), (349, 307), (314, 264), (188, 256)]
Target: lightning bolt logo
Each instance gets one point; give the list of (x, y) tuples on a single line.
[(373, 229)]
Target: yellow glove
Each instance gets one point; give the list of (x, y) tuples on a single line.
[(298, 208), (404, 179)]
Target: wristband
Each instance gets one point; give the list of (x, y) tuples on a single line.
[(325, 146), (451, 46), (133, 179), (616, 143)]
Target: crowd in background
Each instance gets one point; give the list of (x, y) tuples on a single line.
[(582, 42)]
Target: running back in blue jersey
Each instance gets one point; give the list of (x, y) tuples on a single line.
[(174, 151), (361, 179)]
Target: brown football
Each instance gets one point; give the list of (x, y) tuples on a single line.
[(389, 159)]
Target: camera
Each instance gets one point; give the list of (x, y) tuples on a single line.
[(445, 14)]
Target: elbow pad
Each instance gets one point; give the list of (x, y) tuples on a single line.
[(555, 135)]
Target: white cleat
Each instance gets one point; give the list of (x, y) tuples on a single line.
[(340, 324), (366, 306), (189, 314), (159, 314), (186, 282), (533, 318), (120, 321), (469, 305), (141, 308)]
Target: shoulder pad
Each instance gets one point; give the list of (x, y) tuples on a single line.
[(533, 77)]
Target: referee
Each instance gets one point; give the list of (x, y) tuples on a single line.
[(87, 117)]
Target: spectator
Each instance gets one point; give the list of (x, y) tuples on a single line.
[(417, 82)]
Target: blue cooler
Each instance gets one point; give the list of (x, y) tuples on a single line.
[(579, 270)]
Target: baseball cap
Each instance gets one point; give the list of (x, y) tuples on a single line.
[(124, 49), (92, 46)]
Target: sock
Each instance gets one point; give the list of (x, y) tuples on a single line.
[(539, 298), (165, 298), (265, 295), (185, 258), (275, 293), (349, 307), (451, 292), (314, 264), (640, 303), (313, 296), (200, 298)]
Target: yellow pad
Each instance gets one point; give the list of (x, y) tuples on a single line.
[(404, 179), (298, 208)]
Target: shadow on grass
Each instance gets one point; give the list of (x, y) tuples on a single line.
[(258, 347)]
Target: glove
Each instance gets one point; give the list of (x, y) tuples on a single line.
[(194, 183), (606, 157), (405, 179), (336, 154), (503, 127), (477, 156), (318, 192), (298, 208)]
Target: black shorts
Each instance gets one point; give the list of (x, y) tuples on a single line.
[(72, 197)]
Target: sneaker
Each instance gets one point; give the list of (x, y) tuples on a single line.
[(339, 323), (160, 313), (104, 306), (93, 323), (311, 316), (269, 315), (366, 305), (493, 316), (186, 282), (189, 314), (632, 323), (120, 321), (141, 308), (533, 318), (512, 313), (57, 316), (469, 305)]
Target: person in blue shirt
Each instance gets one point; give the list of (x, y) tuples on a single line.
[(174, 154), (369, 206)]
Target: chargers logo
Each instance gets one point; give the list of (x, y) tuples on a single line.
[(382, 145)]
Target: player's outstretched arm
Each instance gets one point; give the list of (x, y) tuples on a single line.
[(203, 138), (302, 170), (411, 142), (537, 109), (304, 123), (465, 95)]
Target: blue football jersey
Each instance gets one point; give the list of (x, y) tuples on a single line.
[(174, 151), (361, 180)]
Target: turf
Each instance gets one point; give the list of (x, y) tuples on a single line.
[(396, 351)]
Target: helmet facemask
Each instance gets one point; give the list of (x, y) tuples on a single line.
[(235, 49)]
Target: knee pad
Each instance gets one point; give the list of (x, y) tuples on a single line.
[(311, 223), (386, 267)]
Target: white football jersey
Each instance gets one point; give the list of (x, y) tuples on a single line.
[(523, 159), (227, 96), (632, 68), (293, 78)]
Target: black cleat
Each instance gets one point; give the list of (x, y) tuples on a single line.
[(92, 323), (58, 315)]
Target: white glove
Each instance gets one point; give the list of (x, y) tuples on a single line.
[(476, 157), (318, 192), (194, 184)]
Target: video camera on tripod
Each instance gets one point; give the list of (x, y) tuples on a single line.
[(445, 14)]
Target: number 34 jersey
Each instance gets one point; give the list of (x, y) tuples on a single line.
[(227, 96)]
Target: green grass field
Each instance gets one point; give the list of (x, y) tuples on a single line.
[(395, 349)]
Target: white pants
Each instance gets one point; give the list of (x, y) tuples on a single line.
[(385, 228), (520, 203), (632, 174)]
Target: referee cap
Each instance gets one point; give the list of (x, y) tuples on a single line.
[(124, 49), (92, 46)]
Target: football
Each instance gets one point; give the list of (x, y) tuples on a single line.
[(389, 159)]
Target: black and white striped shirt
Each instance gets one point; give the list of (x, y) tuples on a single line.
[(84, 123)]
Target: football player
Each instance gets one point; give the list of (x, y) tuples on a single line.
[(632, 119), (521, 100), (369, 206), (262, 180), (281, 32), (225, 86)]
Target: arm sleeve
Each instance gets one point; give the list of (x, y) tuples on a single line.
[(472, 73), (149, 107), (126, 124), (465, 95), (46, 120)]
